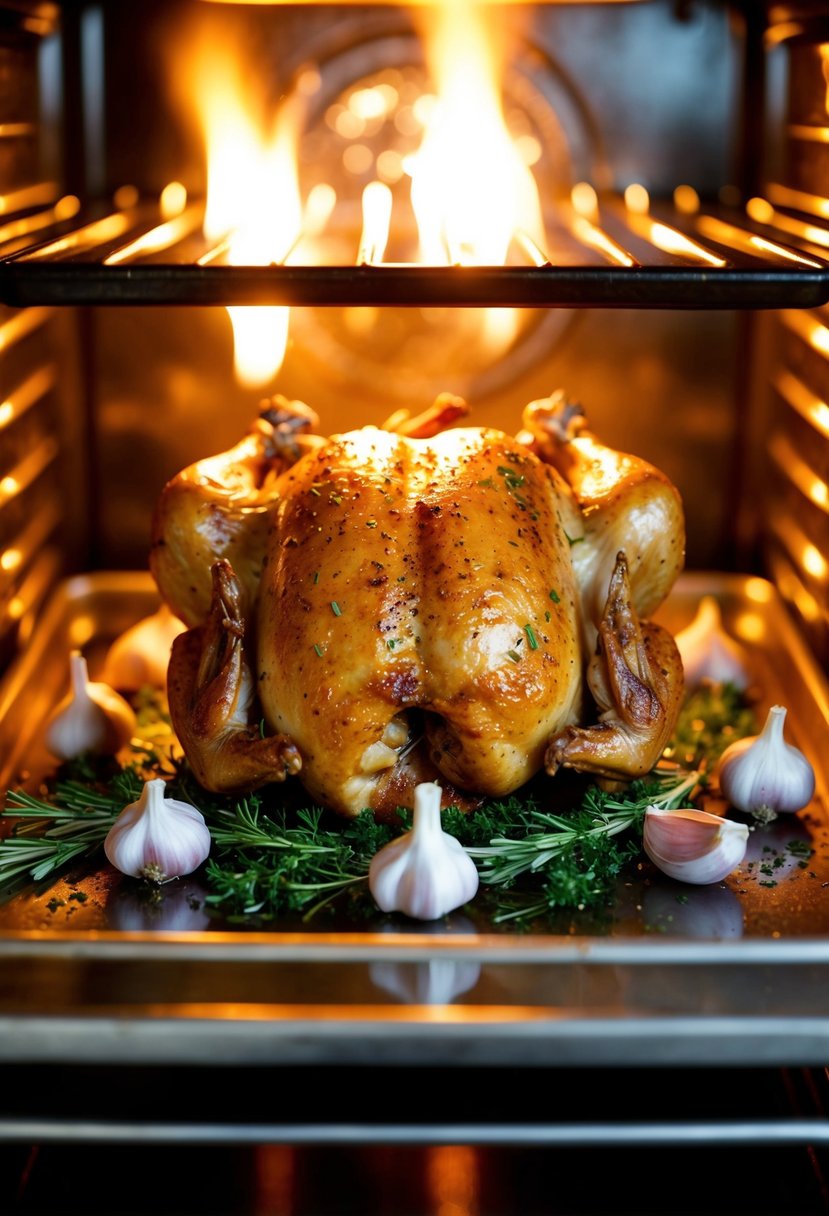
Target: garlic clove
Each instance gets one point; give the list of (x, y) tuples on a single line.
[(157, 838), (763, 775), (425, 873), (708, 652), (91, 719), (693, 846), (139, 657)]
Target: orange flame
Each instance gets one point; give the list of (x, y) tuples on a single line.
[(253, 200), (471, 189)]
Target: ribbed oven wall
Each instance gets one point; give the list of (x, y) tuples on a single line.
[(792, 428), (43, 483)]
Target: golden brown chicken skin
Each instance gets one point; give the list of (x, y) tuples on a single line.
[(462, 606), (419, 574)]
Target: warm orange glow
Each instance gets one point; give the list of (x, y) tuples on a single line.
[(471, 187), (637, 199), (798, 200), (453, 1180), (809, 329), (762, 212), (814, 562), (253, 199), (750, 626), (686, 200), (670, 241), (377, 200), (125, 197), (596, 238), (748, 242), (97, 233), (798, 472), (158, 238), (585, 200), (172, 200), (10, 559), (804, 555), (802, 399)]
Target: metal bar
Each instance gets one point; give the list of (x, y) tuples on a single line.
[(746, 1132), (687, 287)]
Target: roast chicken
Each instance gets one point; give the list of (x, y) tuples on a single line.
[(419, 601)]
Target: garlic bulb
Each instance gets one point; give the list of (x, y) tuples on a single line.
[(764, 775), (140, 655), (425, 873), (707, 651), (693, 846), (92, 717), (157, 838)]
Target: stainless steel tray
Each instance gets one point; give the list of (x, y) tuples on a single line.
[(737, 973)]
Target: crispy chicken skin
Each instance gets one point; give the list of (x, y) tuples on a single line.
[(456, 605)]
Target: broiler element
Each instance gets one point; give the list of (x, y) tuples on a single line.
[(459, 606)]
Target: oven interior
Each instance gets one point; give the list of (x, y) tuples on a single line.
[(707, 357)]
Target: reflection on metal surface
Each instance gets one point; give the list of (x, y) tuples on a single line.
[(173, 907), (436, 982), (678, 910)]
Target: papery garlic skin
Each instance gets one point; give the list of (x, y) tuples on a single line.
[(708, 652), (763, 775), (92, 719), (425, 873), (693, 846), (158, 838), (139, 657)]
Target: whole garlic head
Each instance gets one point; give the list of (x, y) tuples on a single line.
[(763, 775), (693, 846), (157, 838), (92, 717), (425, 873), (140, 655), (708, 652)]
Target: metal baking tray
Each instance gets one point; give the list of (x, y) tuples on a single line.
[(736, 973)]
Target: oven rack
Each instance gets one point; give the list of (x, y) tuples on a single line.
[(712, 258)]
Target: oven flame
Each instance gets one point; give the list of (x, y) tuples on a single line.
[(253, 201), (473, 198), (472, 190)]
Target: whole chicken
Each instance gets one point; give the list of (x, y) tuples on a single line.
[(419, 601)]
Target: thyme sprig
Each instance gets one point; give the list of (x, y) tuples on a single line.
[(263, 865)]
